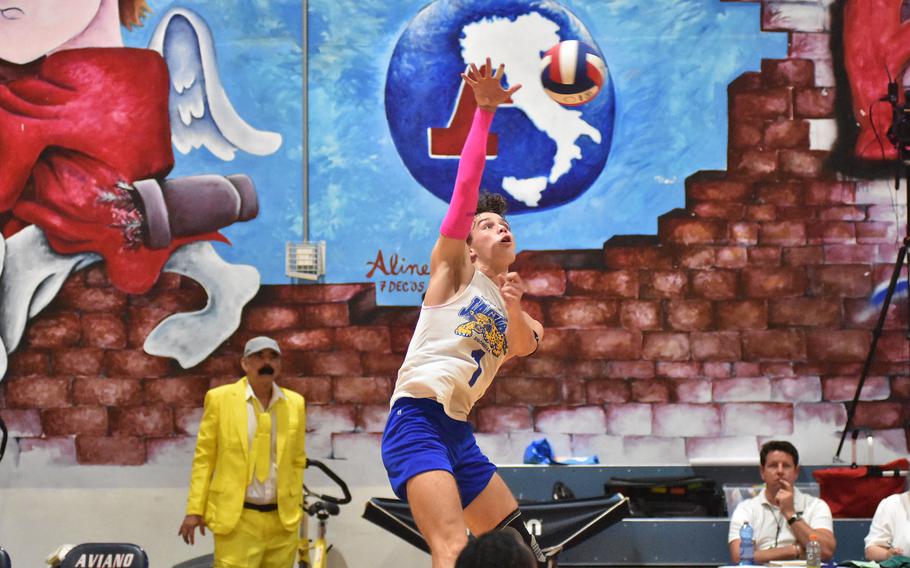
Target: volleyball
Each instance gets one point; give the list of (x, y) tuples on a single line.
[(572, 72)]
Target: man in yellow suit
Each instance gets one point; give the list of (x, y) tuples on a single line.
[(247, 479)]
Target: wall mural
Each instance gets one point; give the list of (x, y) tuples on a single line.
[(557, 165), (573, 177), (876, 53), (88, 174), (742, 316)]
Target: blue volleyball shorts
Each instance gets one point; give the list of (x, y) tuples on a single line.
[(421, 437)]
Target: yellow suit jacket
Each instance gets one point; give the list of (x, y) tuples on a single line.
[(220, 467)]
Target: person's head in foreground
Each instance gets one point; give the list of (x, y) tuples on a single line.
[(497, 549)]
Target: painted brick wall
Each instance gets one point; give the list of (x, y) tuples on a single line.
[(744, 318)]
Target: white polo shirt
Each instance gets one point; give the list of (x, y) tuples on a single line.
[(891, 524), (769, 525)]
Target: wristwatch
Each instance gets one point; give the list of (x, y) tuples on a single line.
[(793, 519)]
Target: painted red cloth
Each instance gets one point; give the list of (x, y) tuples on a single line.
[(71, 127), (876, 46)]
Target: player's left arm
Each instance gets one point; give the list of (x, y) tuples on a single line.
[(524, 333)]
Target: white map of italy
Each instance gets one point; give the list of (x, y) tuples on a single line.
[(518, 43)]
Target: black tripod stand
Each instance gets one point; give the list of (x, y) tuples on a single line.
[(4, 436), (899, 136)]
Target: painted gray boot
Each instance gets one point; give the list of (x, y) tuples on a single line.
[(193, 205)]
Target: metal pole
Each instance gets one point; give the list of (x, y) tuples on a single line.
[(903, 166), (305, 132)]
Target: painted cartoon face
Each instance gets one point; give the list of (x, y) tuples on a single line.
[(30, 29)]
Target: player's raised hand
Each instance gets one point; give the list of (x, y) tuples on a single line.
[(512, 289), (487, 85)]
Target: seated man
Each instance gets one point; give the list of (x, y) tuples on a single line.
[(781, 516), (889, 533)]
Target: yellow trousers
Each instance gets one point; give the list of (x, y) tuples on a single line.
[(258, 541)]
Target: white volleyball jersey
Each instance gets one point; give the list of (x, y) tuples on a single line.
[(456, 349)]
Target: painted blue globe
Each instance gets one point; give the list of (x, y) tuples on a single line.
[(547, 155)]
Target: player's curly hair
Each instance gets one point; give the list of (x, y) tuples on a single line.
[(492, 203), (501, 549), (132, 12)]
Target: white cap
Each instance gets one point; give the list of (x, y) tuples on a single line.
[(257, 344)]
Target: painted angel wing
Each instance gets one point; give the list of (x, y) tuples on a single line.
[(200, 111)]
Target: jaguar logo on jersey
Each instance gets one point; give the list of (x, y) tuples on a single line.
[(540, 155), (485, 325)]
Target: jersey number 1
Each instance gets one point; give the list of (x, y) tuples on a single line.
[(477, 355)]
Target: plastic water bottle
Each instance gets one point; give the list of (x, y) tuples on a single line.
[(746, 546), (813, 552)]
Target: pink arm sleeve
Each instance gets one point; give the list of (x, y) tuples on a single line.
[(460, 216)]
